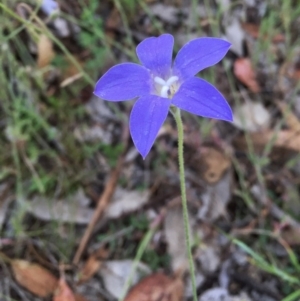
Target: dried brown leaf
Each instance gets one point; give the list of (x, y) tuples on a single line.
[(285, 139), (34, 278), (291, 235), (79, 297), (157, 287), (244, 72), (45, 51), (92, 265), (215, 163), (114, 20), (296, 74), (291, 119), (63, 292)]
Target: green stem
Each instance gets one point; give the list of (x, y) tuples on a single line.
[(140, 251), (179, 124)]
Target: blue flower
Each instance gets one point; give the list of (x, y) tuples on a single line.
[(158, 85)]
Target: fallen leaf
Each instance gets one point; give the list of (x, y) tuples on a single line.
[(62, 27), (252, 29), (244, 72), (167, 13), (125, 201), (45, 52), (291, 119), (209, 257), (73, 210), (235, 35), (215, 199), (285, 139), (291, 235), (113, 21), (251, 117), (296, 74), (92, 134), (79, 297), (34, 278), (63, 292), (157, 287), (175, 237), (115, 275), (215, 294), (92, 265), (214, 163)]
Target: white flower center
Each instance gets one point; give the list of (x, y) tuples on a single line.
[(166, 88)]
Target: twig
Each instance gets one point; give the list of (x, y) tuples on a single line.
[(102, 204)]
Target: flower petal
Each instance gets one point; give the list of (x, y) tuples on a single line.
[(147, 116), (123, 82), (156, 54), (199, 97), (199, 54)]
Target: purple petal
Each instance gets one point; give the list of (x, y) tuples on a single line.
[(199, 97), (147, 116), (199, 54), (156, 54), (123, 82)]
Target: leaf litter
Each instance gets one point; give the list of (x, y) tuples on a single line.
[(258, 77)]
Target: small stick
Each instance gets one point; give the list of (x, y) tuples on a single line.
[(101, 205)]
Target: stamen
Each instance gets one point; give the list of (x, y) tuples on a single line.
[(164, 91), (172, 80), (160, 81)]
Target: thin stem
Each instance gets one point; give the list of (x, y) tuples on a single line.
[(140, 251), (178, 120)]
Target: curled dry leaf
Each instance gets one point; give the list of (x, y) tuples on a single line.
[(244, 72), (92, 265), (45, 51), (215, 163), (34, 278), (157, 287), (63, 292)]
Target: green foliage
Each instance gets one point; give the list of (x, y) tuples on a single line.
[(156, 261)]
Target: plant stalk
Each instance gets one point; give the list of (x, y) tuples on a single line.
[(177, 116)]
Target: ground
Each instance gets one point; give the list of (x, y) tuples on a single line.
[(84, 217)]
